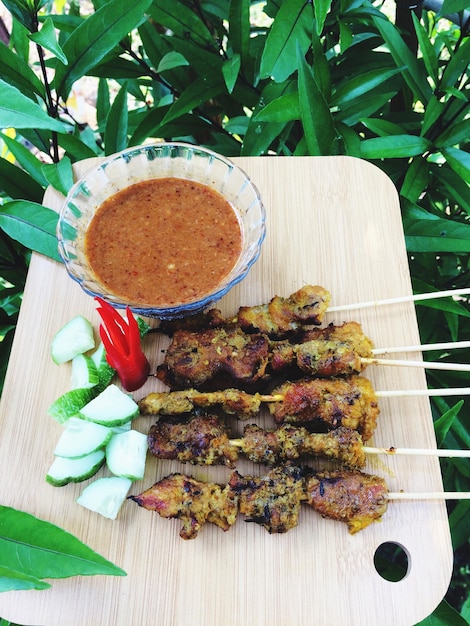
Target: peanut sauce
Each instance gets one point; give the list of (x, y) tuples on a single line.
[(163, 242)]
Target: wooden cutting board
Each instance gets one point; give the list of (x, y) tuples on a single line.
[(331, 221)]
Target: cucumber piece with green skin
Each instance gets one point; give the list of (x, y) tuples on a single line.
[(84, 372), (64, 471), (106, 373), (69, 404), (112, 407), (81, 438), (126, 454), (76, 337), (105, 495)]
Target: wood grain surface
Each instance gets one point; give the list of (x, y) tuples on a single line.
[(332, 221)]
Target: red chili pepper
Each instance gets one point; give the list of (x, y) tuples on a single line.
[(122, 343)]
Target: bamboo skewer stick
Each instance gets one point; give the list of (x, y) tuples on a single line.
[(450, 345), (431, 495), (400, 393), (450, 454), (456, 367), (411, 298)]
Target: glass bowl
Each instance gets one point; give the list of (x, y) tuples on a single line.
[(161, 160)]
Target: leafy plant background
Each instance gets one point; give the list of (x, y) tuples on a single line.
[(282, 77)]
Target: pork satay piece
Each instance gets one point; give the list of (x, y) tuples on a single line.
[(326, 352), (202, 440), (353, 497), (282, 317), (328, 403), (273, 500), (289, 443), (193, 358), (231, 401), (192, 501)]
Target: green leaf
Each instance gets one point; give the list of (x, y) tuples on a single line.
[(459, 161), (40, 549), (382, 127), (46, 38), (454, 134), (200, 91), (394, 146), (33, 225), (17, 72), (436, 235), (117, 123), (16, 183), (11, 580), (283, 109), (28, 161), (230, 71), (456, 67), (453, 6), (59, 175), (292, 28), (320, 67), (182, 20), (443, 615), (239, 28), (357, 86), (415, 78), (416, 179), (23, 11), (434, 109), (444, 423), (321, 11), (18, 111), (429, 54), (171, 60), (94, 38), (315, 113)]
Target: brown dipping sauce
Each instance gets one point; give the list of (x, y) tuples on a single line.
[(163, 242)]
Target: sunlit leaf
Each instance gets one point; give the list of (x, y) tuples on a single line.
[(444, 423), (321, 10), (357, 86), (230, 71), (429, 54), (282, 109), (239, 28), (291, 28), (25, 158), (117, 123), (456, 67), (33, 225), (59, 175), (95, 37), (394, 146), (23, 11), (17, 72), (18, 111), (459, 161), (200, 91), (12, 580), (416, 179), (46, 38), (171, 60), (437, 235)]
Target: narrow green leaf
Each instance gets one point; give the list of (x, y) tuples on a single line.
[(286, 108), (321, 67), (94, 38), (321, 11), (11, 580), (25, 158), (239, 28), (415, 78), (458, 520), (429, 54), (46, 38), (171, 60), (437, 235), (459, 161), (41, 549), (394, 146), (433, 112), (456, 67), (316, 117), (18, 111), (292, 28), (117, 123), (181, 20), (59, 175), (200, 91), (454, 187), (76, 147), (33, 225), (230, 71), (16, 183), (23, 11), (382, 127), (454, 134), (356, 86), (444, 423), (453, 6), (17, 72), (416, 179)]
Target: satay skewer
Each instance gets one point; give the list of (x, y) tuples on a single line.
[(429, 365), (425, 347)]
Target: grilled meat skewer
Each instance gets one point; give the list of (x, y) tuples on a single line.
[(272, 500), (203, 440)]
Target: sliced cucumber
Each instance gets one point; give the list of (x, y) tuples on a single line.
[(105, 495), (69, 404), (84, 372), (76, 337), (112, 407), (126, 453), (106, 373), (64, 471), (81, 438)]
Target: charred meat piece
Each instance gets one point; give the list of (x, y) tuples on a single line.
[(356, 498), (192, 501), (325, 352), (289, 443), (273, 500), (232, 402), (328, 403), (202, 440), (193, 358), (282, 317)]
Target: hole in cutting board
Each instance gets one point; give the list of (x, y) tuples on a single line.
[(391, 561)]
